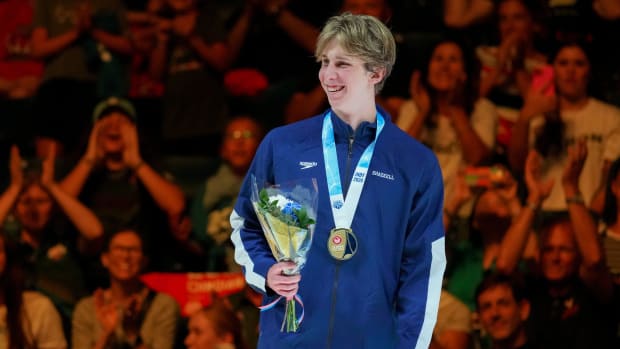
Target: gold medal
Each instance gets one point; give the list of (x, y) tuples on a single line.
[(342, 243)]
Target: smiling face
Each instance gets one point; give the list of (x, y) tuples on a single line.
[(446, 68), (500, 314), (572, 71), (124, 258), (345, 80), (559, 257)]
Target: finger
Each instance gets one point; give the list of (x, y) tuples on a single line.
[(286, 280), (51, 154)]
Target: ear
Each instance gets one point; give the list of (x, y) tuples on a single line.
[(524, 309), (377, 76)]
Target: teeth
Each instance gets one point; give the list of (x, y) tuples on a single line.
[(334, 89)]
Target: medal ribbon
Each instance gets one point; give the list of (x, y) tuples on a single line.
[(343, 210)]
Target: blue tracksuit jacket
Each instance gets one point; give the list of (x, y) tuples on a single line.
[(387, 295)]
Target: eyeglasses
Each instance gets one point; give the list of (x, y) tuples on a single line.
[(116, 249), (240, 134)]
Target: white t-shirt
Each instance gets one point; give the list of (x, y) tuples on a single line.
[(443, 139), (599, 123), (42, 324)]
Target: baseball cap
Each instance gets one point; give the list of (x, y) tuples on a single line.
[(117, 103)]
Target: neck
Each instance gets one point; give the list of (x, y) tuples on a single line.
[(121, 290), (355, 118), (518, 340), (573, 103)]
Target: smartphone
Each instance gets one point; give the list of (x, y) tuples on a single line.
[(484, 176), (542, 77)]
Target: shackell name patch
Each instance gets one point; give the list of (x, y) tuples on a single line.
[(382, 175)]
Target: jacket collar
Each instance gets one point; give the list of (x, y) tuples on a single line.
[(364, 133)]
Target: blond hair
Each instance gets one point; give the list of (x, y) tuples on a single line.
[(364, 37)]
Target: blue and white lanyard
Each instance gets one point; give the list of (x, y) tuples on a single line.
[(343, 210)]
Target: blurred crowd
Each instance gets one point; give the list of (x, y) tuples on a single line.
[(127, 128)]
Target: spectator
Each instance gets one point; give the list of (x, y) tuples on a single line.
[(83, 45), (127, 314), (28, 319), (475, 256), (214, 327), (120, 186), (571, 292), (443, 112), (49, 250), (507, 68), (503, 311), (191, 54), (214, 201), (549, 124)]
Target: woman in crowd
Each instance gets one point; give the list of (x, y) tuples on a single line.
[(552, 123), (127, 314), (48, 247), (444, 112)]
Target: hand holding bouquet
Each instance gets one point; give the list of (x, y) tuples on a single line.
[(287, 214)]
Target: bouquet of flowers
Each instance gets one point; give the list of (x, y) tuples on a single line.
[(287, 215)]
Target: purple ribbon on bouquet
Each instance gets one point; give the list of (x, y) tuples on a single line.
[(273, 304)]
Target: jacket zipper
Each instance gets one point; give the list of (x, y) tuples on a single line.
[(345, 189)]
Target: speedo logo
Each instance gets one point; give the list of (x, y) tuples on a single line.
[(382, 175), (307, 164)]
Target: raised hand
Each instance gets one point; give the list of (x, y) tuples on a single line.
[(47, 167), (419, 94), (537, 102), (94, 152), (538, 190), (577, 155), (15, 167), (131, 151), (106, 313)]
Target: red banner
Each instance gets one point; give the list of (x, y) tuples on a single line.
[(194, 290)]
